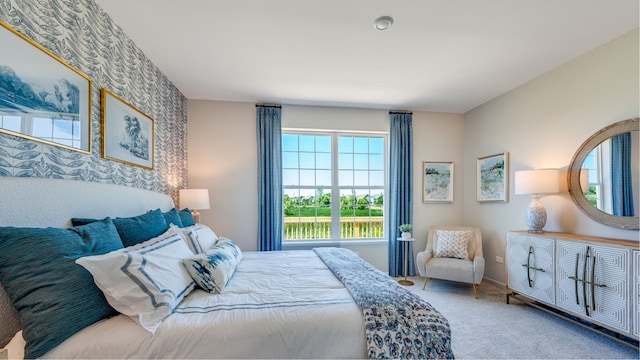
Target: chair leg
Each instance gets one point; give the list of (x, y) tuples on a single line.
[(425, 283), (475, 291)]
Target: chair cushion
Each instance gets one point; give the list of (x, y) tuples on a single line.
[(452, 244), (450, 269)]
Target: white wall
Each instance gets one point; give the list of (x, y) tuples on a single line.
[(541, 124)]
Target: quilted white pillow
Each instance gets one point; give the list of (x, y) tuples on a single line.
[(146, 281), (213, 268), (199, 237), (452, 243)]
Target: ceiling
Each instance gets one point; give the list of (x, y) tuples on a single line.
[(439, 55)]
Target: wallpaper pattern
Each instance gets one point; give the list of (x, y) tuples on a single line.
[(83, 35)]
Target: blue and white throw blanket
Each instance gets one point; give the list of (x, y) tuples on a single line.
[(398, 323)]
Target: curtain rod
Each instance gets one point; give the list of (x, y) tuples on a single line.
[(269, 105), (400, 112)]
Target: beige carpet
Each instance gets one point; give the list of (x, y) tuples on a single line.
[(488, 328)]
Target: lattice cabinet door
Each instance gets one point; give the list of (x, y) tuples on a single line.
[(530, 266), (593, 282)]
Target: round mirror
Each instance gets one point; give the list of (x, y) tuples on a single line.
[(603, 176)]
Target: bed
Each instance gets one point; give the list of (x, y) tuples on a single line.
[(321, 303)]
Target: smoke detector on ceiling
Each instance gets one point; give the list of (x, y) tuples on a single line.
[(383, 22)]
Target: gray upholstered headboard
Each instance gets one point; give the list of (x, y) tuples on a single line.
[(36, 202)]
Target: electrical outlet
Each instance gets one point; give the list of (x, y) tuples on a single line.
[(499, 259)]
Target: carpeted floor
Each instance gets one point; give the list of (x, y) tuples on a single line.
[(488, 328)]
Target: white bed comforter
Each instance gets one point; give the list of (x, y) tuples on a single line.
[(284, 304)]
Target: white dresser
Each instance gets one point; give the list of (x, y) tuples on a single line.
[(594, 279)]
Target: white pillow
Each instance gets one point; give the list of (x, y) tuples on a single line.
[(199, 237), (146, 281), (452, 243), (213, 268)]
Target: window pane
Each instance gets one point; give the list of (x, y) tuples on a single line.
[(345, 161), (376, 162), (307, 214), (307, 177), (289, 142), (290, 177), (361, 145), (376, 178), (345, 144), (307, 161), (376, 145), (307, 143), (360, 161), (323, 144), (323, 161), (345, 178), (361, 178), (361, 214), (290, 160), (323, 177)]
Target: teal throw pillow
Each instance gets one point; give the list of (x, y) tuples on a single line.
[(54, 296), (187, 217), (173, 217)]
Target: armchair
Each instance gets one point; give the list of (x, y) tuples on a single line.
[(445, 256)]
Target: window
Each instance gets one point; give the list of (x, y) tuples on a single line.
[(333, 186), (598, 164)]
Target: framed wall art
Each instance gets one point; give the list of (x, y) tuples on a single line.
[(493, 178), (42, 99), (437, 182), (127, 133)]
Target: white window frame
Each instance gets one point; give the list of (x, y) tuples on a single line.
[(335, 188)]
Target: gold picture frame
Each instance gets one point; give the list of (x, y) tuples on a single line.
[(43, 99), (127, 133)]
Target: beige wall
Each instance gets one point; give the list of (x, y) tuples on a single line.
[(223, 159), (541, 124)]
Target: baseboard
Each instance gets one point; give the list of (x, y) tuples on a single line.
[(495, 282)]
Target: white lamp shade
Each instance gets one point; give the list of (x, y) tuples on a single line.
[(539, 181), (194, 199)]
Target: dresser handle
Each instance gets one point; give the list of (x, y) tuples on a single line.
[(584, 279), (529, 267)]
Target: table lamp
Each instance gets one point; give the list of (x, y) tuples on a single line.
[(537, 182), (194, 199)]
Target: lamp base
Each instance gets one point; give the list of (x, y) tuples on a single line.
[(196, 216), (536, 215)]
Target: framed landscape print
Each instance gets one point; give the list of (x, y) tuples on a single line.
[(492, 178), (437, 182), (42, 98), (127, 133)]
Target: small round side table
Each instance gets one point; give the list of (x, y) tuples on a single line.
[(404, 281)]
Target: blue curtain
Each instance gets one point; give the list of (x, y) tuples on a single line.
[(621, 177), (270, 220), (400, 191)]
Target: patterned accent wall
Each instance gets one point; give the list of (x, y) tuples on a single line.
[(83, 35)]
